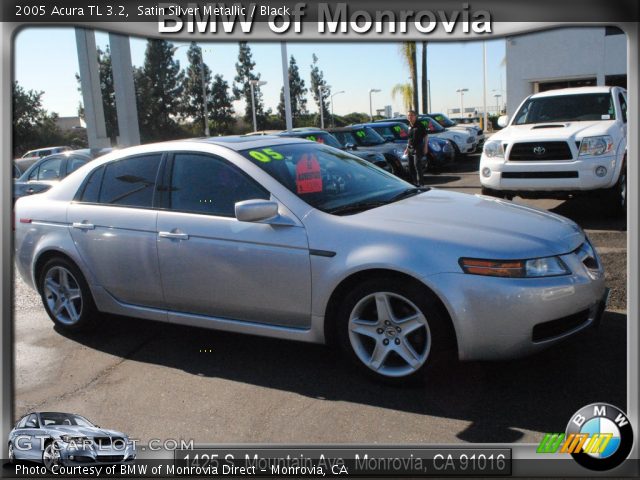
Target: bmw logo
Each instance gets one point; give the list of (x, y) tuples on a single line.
[(605, 434)]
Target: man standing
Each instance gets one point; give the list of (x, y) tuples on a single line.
[(417, 147)]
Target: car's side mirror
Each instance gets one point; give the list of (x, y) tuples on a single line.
[(503, 120), (351, 146), (256, 210)]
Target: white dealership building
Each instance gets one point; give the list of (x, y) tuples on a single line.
[(567, 57)]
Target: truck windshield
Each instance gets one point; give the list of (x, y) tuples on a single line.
[(566, 108)]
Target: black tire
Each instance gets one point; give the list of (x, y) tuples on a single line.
[(432, 343), (492, 193), (50, 455), (456, 150), (618, 193), (71, 306)]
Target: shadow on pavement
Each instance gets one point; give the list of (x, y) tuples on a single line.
[(538, 393), (591, 212)]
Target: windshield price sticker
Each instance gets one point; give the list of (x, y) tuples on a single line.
[(361, 133), (266, 155), (308, 175), (363, 462)]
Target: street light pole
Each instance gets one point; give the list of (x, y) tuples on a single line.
[(461, 92), (321, 89), (373, 90), (333, 123), (204, 95), (497, 95), (253, 83)]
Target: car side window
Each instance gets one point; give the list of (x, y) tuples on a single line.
[(623, 107), (22, 422), (205, 184), (130, 181), (48, 170), (32, 421), (74, 163)]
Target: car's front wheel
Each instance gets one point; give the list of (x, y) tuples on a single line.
[(50, 456), (66, 295), (394, 330), (12, 453)]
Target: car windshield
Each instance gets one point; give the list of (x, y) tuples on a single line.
[(397, 132), (363, 137), (329, 179), (55, 418), (443, 120), (322, 137), (431, 125), (566, 108)]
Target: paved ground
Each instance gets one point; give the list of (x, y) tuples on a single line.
[(152, 380)]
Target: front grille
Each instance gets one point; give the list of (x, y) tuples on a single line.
[(560, 326), (570, 174), (102, 441), (540, 151), (110, 458)]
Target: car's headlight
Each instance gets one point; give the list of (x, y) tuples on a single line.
[(494, 149), (596, 145), (533, 268), (78, 441), (398, 152), (435, 146)]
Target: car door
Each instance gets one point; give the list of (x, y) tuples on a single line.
[(214, 265), (114, 228)]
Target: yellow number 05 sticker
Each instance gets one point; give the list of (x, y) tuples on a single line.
[(266, 155)]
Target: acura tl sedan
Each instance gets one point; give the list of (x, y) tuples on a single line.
[(55, 438), (288, 238)]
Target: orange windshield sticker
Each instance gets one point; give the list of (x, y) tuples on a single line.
[(308, 175)]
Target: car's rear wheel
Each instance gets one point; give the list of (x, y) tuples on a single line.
[(66, 295), (50, 456), (394, 331)]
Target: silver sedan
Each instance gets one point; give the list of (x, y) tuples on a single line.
[(288, 238)]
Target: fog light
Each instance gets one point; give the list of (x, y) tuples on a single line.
[(72, 457), (601, 171), (486, 172)]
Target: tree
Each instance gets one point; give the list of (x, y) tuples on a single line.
[(159, 92), (221, 106), (408, 51), (317, 81), (33, 126), (405, 92), (192, 90), (425, 84), (242, 87), (297, 92)]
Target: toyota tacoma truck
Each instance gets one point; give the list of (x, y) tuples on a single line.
[(561, 143)]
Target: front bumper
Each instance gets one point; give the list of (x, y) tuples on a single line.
[(97, 456), (500, 318)]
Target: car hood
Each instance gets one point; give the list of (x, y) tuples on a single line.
[(554, 131), (84, 431), (480, 226)]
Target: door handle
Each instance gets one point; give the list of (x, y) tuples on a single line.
[(174, 235), (83, 225)]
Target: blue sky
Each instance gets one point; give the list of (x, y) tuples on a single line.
[(46, 60)]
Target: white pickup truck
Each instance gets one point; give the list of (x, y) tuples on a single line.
[(561, 143)]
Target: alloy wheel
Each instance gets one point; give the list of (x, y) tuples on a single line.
[(63, 295), (50, 456)]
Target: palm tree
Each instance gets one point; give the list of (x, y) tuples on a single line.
[(405, 92), (425, 87), (408, 51)]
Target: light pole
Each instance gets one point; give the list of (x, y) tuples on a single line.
[(461, 92), (497, 95), (204, 87), (333, 123), (321, 89), (253, 84), (373, 90)]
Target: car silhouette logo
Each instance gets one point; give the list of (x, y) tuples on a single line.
[(539, 150)]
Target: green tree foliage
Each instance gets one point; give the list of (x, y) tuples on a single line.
[(297, 91), (242, 87), (192, 107), (108, 94), (317, 81), (221, 106), (159, 93), (405, 92), (408, 53), (33, 126)]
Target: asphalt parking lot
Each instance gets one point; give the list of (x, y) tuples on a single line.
[(159, 381)]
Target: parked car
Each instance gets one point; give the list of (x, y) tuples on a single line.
[(22, 164), (360, 138), (472, 127), (441, 151), (288, 238), (48, 171), (561, 143), (66, 439), (463, 142), (45, 152), (324, 137)]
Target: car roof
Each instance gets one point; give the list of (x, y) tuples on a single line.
[(572, 91), (381, 123), (245, 142), (349, 128)]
